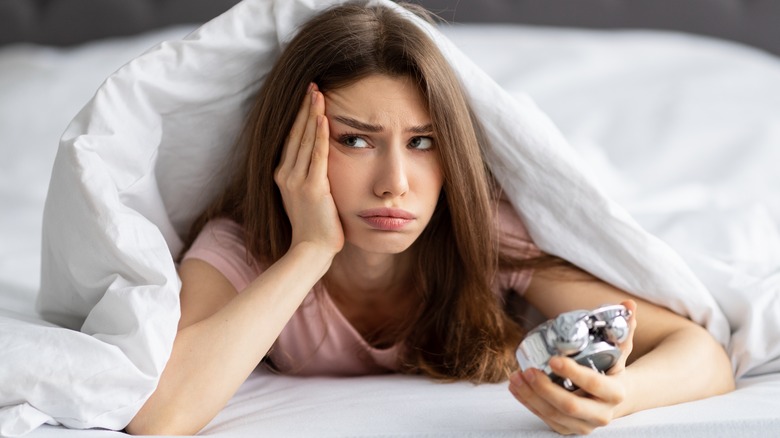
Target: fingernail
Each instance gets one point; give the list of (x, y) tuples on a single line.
[(555, 363), (529, 375), (311, 87), (515, 379)]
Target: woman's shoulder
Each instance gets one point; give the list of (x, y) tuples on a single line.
[(221, 243), (517, 244), (509, 223), (219, 234), (222, 229)]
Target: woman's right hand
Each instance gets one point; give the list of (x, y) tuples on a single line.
[(302, 178)]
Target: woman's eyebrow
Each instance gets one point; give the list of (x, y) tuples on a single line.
[(367, 127), (357, 124), (421, 129)]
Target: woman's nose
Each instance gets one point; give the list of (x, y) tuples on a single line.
[(391, 179)]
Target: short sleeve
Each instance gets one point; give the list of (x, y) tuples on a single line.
[(221, 244), (514, 238)]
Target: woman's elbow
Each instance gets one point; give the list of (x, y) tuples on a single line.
[(138, 426), (722, 379), (145, 423), (156, 430)]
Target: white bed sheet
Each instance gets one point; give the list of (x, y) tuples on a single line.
[(691, 151), (390, 406)]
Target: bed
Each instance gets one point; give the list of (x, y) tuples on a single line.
[(674, 108)]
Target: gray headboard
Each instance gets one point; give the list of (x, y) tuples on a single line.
[(65, 22), (753, 22)]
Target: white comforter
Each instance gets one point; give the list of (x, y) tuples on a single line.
[(664, 128)]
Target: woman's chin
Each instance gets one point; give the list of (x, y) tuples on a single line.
[(381, 242)]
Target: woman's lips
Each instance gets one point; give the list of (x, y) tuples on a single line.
[(386, 219)]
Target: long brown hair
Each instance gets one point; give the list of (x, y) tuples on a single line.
[(460, 330)]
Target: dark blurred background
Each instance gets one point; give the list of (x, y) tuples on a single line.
[(67, 22)]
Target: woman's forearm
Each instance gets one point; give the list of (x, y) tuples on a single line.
[(687, 365), (213, 357)]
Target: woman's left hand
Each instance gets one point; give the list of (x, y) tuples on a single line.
[(597, 401)]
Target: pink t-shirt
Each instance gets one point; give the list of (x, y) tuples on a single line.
[(318, 339)]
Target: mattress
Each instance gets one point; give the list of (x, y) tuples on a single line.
[(683, 131)]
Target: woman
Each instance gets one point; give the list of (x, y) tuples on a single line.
[(362, 233)]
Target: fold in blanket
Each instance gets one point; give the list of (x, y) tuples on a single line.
[(143, 157)]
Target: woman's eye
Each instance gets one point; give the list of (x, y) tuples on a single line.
[(421, 143), (353, 141)]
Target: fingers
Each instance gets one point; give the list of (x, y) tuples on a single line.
[(303, 122), (316, 109), (595, 384), (290, 152), (318, 168), (563, 411), (628, 346)]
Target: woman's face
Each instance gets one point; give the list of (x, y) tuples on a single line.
[(383, 166)]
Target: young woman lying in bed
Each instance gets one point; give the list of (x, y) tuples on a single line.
[(362, 233)]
